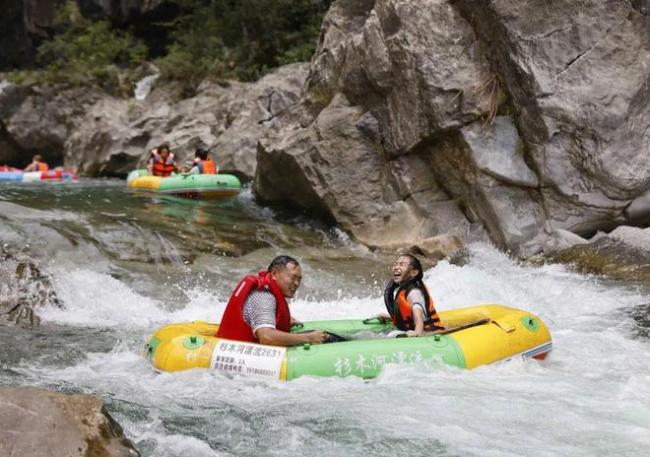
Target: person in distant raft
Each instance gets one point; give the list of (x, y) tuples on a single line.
[(257, 311), (203, 163), (37, 164), (161, 163), (408, 300)]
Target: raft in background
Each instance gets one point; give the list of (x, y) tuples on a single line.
[(38, 176), (188, 186), (485, 334)]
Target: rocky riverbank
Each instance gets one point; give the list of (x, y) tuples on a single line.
[(473, 119)]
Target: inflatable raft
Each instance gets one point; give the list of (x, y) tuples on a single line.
[(188, 186), (37, 176), (474, 336)]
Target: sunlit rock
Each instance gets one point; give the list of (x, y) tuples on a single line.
[(39, 423)]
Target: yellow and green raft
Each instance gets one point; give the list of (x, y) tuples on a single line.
[(186, 185), (475, 336)]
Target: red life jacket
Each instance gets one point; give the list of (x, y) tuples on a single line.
[(207, 167), (42, 166), (162, 167), (234, 327), (400, 308)]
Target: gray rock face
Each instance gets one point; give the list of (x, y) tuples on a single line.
[(335, 167), (578, 76), (40, 120), (100, 134), (568, 150), (40, 423)]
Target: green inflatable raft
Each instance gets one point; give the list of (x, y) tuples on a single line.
[(185, 185), (474, 336)]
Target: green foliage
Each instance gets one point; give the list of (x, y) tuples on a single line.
[(87, 51), (241, 38), (197, 50)]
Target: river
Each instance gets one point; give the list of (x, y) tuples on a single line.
[(125, 264)]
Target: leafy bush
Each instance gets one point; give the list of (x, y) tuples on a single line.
[(87, 51), (240, 39), (243, 39)]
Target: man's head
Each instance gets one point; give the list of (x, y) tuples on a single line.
[(287, 273), (201, 153), (163, 150), (37, 158), (405, 268)]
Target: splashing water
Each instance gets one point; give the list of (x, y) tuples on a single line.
[(591, 397)]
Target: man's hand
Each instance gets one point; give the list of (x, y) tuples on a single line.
[(384, 318), (411, 333), (316, 337)]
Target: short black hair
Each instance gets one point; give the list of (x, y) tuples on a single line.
[(415, 264), (201, 154), (281, 261)]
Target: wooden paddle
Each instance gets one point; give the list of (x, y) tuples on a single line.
[(461, 327)]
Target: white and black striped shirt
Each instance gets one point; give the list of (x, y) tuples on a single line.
[(259, 310)]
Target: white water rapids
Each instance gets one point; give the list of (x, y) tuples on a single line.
[(591, 397)]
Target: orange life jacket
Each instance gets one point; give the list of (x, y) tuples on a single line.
[(207, 167), (162, 167), (42, 166), (400, 308)]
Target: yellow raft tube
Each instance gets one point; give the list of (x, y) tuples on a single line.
[(474, 336)]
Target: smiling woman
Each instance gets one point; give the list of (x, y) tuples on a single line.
[(408, 300)]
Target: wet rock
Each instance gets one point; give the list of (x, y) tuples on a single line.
[(623, 254), (41, 423), (335, 168), (562, 239), (24, 289), (439, 247)]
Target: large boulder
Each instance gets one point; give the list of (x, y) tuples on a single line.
[(530, 118), (336, 167), (116, 135), (578, 74), (101, 134), (41, 119), (386, 78), (39, 423)]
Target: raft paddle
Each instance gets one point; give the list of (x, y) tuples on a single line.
[(445, 331)]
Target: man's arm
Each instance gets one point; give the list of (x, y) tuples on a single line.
[(259, 314), (275, 337)]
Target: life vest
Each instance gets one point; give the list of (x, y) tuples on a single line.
[(399, 307), (207, 167), (234, 327), (42, 166), (162, 167)]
